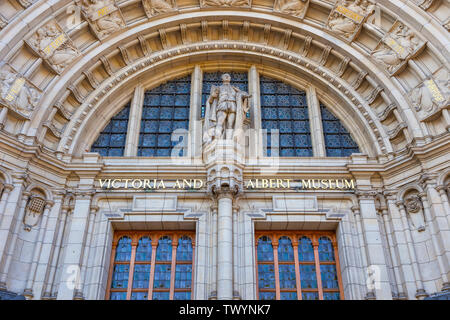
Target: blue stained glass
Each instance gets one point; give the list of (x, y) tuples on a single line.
[(162, 276), (144, 249), (111, 141), (300, 114), (287, 153), (267, 296), (166, 113), (285, 126), (183, 276), (168, 87), (286, 140), (301, 127), (331, 296), (181, 113), (269, 101), (147, 140), (182, 100), (120, 276), (183, 87), (298, 100), (182, 295), (147, 152), (285, 249), (141, 276), (287, 276), (326, 250), (288, 295), (283, 100), (266, 276), (268, 87), (164, 249), (165, 126), (329, 276), (149, 126), (163, 152), (265, 249), (184, 249), (284, 113), (139, 296), (305, 250), (310, 295), (164, 140), (308, 278), (123, 250), (161, 295), (118, 296)]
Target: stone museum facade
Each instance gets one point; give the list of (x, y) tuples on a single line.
[(224, 149)]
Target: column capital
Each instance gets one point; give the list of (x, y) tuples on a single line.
[(400, 204), (441, 188), (355, 209), (7, 187), (49, 204), (366, 194), (94, 209), (84, 194)]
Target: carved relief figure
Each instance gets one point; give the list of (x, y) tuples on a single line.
[(225, 3), (397, 47), (225, 111), (104, 16), (413, 206), (34, 210), (54, 46), (347, 17), (155, 7), (17, 93), (293, 7), (431, 94)]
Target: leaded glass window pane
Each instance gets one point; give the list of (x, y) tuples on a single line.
[(144, 249), (183, 276), (305, 249), (288, 295), (184, 249), (329, 276), (162, 276), (284, 109), (182, 295), (310, 295), (141, 276), (265, 249), (338, 141), (111, 141), (266, 276), (326, 251), (123, 250), (285, 249), (118, 296), (287, 276), (120, 276), (165, 109), (238, 79), (308, 276), (164, 250)]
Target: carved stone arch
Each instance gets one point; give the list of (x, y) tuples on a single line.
[(408, 189), (444, 177), (40, 188)]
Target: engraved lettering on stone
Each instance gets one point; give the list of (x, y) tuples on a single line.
[(104, 16), (296, 8)]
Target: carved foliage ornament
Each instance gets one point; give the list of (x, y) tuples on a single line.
[(17, 93), (34, 210), (347, 17), (431, 96), (104, 16), (296, 8), (398, 46), (226, 3), (155, 7), (54, 46)]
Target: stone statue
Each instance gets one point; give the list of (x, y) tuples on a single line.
[(398, 46), (293, 7), (225, 111), (17, 93), (431, 94), (348, 16), (154, 7), (225, 3), (104, 16)]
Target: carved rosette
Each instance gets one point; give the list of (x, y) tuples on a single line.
[(156, 7), (431, 96), (54, 46), (226, 3), (397, 47), (296, 8), (104, 17), (347, 18), (17, 93)]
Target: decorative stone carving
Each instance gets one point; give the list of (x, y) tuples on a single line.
[(54, 46), (347, 17), (3, 22), (225, 111), (296, 8), (398, 46), (424, 4), (104, 16), (413, 206), (431, 96), (35, 208), (17, 93), (155, 7), (226, 3)]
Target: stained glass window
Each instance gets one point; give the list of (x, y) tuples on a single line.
[(238, 79), (111, 141), (285, 109), (338, 141), (296, 261), (151, 268), (165, 109)]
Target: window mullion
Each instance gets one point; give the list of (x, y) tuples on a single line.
[(134, 122), (256, 267), (111, 270), (277, 275), (315, 122), (338, 269), (297, 270), (193, 268), (131, 271), (317, 263), (172, 269), (152, 269)]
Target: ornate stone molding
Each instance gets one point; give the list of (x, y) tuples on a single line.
[(226, 3)]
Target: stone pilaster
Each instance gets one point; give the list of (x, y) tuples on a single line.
[(134, 122)]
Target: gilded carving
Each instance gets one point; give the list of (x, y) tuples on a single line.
[(53, 45), (398, 46), (17, 93), (296, 8), (155, 7), (226, 3), (347, 17), (104, 16), (431, 96)]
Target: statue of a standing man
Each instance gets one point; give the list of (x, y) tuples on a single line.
[(225, 111)]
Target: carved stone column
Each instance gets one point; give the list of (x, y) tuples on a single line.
[(7, 188), (134, 123)]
